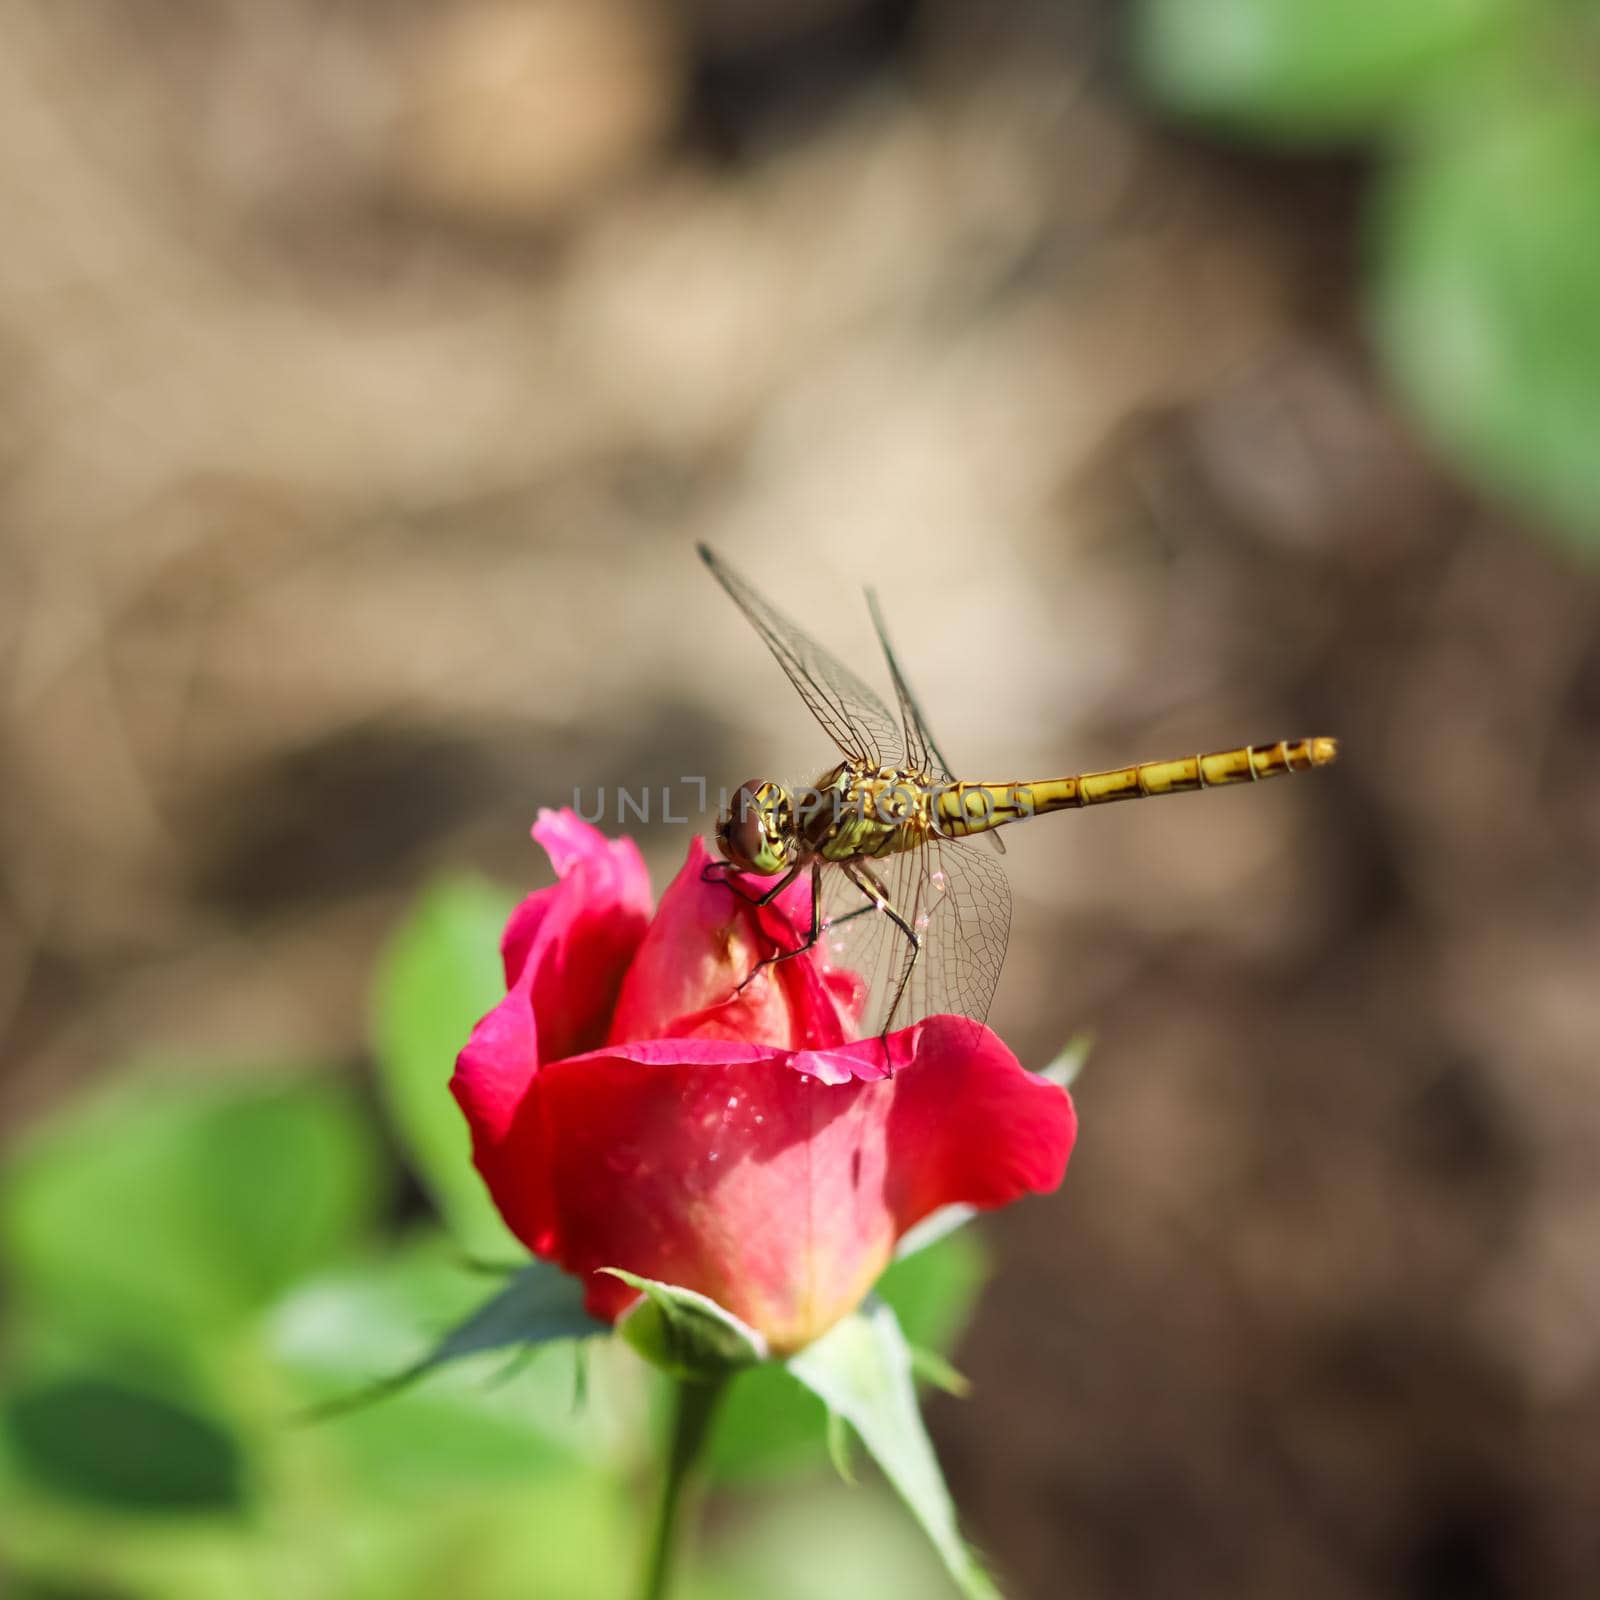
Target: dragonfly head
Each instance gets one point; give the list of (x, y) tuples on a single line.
[(758, 833)]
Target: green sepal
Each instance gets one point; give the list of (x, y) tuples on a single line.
[(934, 1229), (932, 1368), (838, 1435), (1074, 1057), (684, 1333), (862, 1370), (539, 1305)]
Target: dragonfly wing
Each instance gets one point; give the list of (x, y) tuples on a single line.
[(864, 942), (969, 924), (922, 752), (922, 749), (951, 892), (851, 714)]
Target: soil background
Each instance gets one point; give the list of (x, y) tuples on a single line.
[(367, 373)]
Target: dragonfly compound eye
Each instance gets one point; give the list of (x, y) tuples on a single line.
[(757, 835)]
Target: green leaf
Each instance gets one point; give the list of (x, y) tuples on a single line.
[(96, 1439), (1487, 300), (440, 973), (167, 1208), (1310, 70), (684, 1333), (862, 1370)]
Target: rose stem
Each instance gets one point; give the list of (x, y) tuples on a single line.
[(693, 1406)]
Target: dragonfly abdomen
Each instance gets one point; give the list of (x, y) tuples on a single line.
[(966, 808)]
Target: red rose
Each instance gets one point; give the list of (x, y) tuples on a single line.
[(629, 1110)]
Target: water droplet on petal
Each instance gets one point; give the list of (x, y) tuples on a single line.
[(624, 1160)]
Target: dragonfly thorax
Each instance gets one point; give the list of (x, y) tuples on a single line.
[(758, 833)]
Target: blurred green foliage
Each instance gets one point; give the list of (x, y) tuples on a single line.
[(1485, 302), (1311, 71), (438, 969), (161, 1210), (196, 1258)]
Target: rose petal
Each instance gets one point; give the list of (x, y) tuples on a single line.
[(578, 946), (609, 869), (566, 949), (970, 1124), (706, 940), (733, 1140), (743, 1174)]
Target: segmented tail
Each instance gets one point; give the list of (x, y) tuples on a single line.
[(967, 808)]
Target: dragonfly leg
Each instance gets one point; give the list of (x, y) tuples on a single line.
[(730, 876), (816, 923), (867, 881), (850, 916)]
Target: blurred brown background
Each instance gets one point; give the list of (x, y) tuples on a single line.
[(367, 372)]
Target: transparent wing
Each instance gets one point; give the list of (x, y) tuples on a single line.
[(955, 894), (853, 716), (922, 751)]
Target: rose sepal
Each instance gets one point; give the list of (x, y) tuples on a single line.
[(684, 1333)]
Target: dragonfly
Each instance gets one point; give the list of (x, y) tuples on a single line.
[(907, 890)]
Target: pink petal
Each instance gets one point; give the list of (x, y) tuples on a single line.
[(742, 1173), (705, 941), (572, 845), (566, 949), (971, 1125), (578, 948)]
